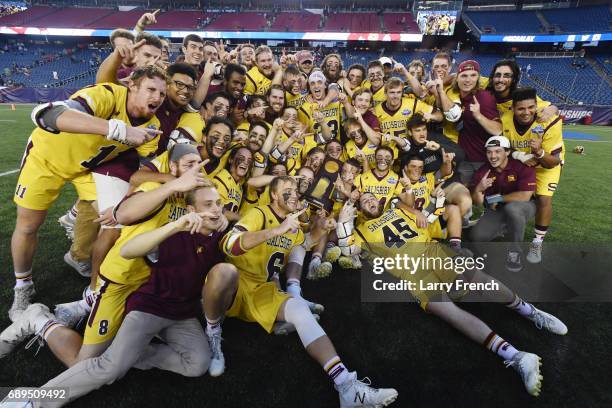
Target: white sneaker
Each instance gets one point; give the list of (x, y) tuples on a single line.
[(71, 313), (534, 255), (355, 393), (217, 360), (83, 268), (315, 262), (21, 301), (68, 225), (528, 366), (547, 321), (32, 320)]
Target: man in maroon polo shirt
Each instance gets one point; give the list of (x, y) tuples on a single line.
[(505, 186), (479, 120), (185, 261)]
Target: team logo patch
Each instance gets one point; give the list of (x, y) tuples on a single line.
[(538, 129), (152, 127), (511, 177), (392, 180), (406, 112)]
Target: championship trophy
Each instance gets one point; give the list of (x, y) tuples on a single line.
[(320, 191)]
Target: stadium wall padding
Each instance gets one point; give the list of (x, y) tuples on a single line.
[(34, 95)]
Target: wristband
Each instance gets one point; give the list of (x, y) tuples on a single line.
[(117, 130), (495, 198)]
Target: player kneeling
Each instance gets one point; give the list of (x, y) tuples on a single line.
[(181, 255), (259, 246), (397, 232)]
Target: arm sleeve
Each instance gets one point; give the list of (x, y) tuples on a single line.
[(252, 221), (98, 100)]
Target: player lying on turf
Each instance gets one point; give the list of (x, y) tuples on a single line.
[(182, 255), (396, 232), (259, 246)]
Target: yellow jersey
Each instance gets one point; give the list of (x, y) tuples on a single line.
[(256, 82), (120, 270), (229, 190), (191, 126), (550, 132), (389, 232), (73, 154), (385, 188), (331, 112), (295, 101), (422, 190), (296, 154), (394, 122), (369, 150), (260, 263)]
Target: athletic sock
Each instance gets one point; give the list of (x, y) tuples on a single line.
[(72, 214), (336, 371), (293, 288), (23, 278), (500, 346), (49, 327), (520, 306), (89, 298), (540, 232), (213, 326), (454, 242)]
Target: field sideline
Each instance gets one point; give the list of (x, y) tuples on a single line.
[(394, 344)]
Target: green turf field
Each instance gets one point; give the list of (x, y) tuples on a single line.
[(394, 344)]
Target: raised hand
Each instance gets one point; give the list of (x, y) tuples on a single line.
[(291, 223), (475, 108), (485, 182), (191, 179), (148, 19), (447, 157), (136, 136), (191, 222)]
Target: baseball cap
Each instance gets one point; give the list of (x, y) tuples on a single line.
[(385, 60), (468, 65), (498, 141), (304, 55), (317, 76)]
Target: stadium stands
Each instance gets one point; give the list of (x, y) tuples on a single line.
[(26, 17), (298, 21), (547, 74), (352, 22), (123, 19), (581, 19), (247, 21), (518, 22), (400, 23), (73, 17), (178, 19)]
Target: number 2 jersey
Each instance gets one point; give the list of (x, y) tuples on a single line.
[(72, 154), (260, 263)]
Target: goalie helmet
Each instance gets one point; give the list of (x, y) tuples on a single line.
[(579, 149)]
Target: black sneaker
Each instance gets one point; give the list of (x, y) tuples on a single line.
[(513, 261)]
